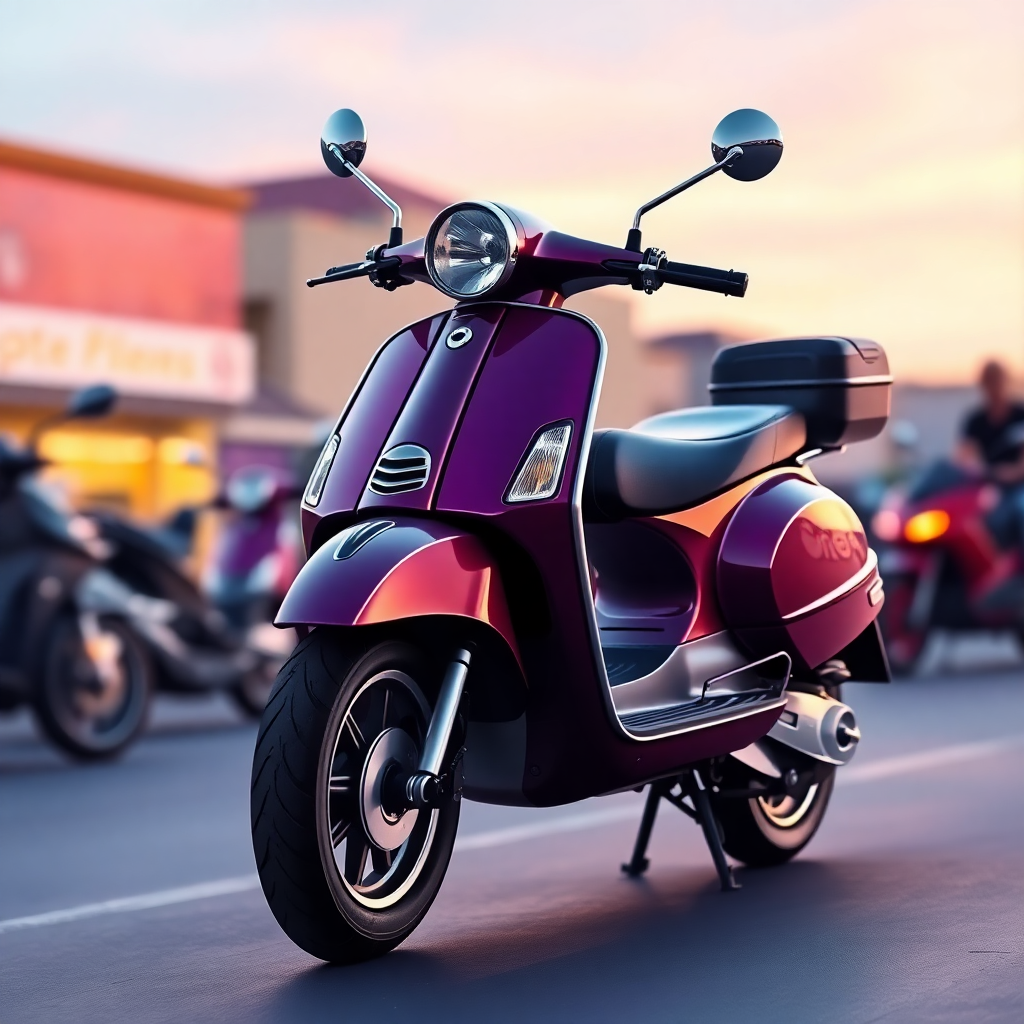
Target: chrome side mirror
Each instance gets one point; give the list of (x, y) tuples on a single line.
[(91, 402), (746, 145), (343, 141), (757, 135), (343, 146)]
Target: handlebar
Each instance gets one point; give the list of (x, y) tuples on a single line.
[(352, 270), (708, 279), (728, 282)]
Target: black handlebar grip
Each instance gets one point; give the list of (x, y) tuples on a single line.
[(708, 279)]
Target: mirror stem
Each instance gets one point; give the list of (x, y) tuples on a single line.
[(396, 210), (39, 428), (633, 238)]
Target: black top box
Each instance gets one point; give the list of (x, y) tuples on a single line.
[(841, 385)]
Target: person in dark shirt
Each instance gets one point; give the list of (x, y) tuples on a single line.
[(992, 443)]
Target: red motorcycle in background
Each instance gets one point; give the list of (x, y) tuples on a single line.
[(944, 566)]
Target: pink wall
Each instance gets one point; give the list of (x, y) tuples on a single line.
[(84, 246)]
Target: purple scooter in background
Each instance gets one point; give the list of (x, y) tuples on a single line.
[(504, 604), (252, 566)]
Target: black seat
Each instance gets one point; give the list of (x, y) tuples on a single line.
[(678, 459)]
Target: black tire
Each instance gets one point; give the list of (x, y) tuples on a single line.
[(305, 741), (765, 832), (90, 717)]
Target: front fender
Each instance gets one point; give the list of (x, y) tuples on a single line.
[(394, 568)]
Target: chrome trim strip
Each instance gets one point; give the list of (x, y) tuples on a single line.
[(880, 378), (844, 588), (582, 565)]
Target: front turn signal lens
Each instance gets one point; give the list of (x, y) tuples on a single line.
[(318, 477), (541, 471), (926, 526)]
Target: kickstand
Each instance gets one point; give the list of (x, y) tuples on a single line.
[(706, 818), (692, 785), (639, 863)]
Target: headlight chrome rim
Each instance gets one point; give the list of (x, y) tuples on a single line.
[(511, 237)]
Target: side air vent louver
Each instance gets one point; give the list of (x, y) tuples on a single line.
[(404, 468)]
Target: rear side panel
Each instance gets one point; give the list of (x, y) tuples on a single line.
[(795, 571)]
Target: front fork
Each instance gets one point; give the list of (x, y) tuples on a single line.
[(102, 648), (922, 605), (426, 786)]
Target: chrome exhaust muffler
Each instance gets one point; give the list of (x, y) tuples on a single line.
[(821, 727)]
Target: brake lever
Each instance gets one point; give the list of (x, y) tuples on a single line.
[(353, 270)]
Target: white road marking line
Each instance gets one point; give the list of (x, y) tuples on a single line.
[(885, 768), (147, 901), (942, 757)]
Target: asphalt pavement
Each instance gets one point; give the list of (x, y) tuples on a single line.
[(127, 892)]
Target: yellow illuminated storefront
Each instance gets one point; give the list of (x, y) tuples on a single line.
[(143, 465)]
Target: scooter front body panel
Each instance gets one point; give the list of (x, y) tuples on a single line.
[(368, 418), (477, 413)]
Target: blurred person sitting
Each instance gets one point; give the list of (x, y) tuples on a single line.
[(992, 443)]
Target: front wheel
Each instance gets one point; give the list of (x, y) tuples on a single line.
[(347, 876), (769, 830)]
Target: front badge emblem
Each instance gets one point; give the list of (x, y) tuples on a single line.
[(459, 337)]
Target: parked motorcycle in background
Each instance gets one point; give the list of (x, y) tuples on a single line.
[(196, 646), (504, 604), (65, 649)]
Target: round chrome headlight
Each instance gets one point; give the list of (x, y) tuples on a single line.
[(471, 249)]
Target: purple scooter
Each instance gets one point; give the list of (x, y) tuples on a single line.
[(503, 604), (254, 563)]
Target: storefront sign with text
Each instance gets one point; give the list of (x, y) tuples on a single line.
[(45, 347)]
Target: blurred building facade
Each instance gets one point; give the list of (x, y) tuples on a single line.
[(132, 279), (313, 344)]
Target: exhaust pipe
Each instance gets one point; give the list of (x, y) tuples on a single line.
[(821, 727)]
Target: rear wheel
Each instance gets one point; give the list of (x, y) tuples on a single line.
[(769, 830), (93, 691), (347, 876)]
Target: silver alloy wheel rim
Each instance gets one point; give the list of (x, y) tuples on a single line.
[(392, 872), (96, 720), (789, 811)]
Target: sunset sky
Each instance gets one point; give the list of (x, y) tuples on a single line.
[(897, 211)]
